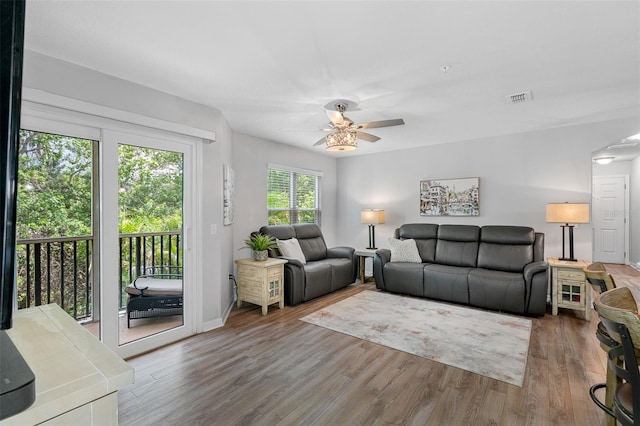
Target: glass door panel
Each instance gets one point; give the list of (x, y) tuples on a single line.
[(146, 214), (150, 222), (56, 222)]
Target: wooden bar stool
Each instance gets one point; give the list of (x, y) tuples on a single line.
[(618, 312)]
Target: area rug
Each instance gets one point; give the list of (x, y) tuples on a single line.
[(487, 343)]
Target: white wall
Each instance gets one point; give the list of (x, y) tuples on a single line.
[(519, 174), (65, 79), (615, 168), (250, 158)]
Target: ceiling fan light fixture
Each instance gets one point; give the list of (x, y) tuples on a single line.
[(341, 141)]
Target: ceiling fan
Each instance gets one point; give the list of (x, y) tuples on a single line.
[(344, 132)]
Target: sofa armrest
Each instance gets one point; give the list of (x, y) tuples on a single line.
[(382, 257), (292, 261), (294, 281), (536, 281), (347, 252), (534, 268)]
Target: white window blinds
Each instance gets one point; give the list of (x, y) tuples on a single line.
[(293, 195)]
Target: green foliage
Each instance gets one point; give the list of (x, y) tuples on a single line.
[(291, 197), (54, 186), (260, 242), (150, 189), (55, 200)]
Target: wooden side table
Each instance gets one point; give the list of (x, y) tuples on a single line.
[(362, 258), (261, 282), (569, 288)]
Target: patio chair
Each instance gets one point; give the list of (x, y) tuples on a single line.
[(156, 293)]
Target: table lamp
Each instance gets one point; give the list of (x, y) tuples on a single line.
[(372, 217), (568, 214)]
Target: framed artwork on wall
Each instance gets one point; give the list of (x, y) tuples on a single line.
[(450, 197), (228, 193)]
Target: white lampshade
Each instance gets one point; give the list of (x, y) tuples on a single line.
[(372, 216), (568, 213)]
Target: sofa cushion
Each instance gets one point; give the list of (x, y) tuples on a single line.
[(446, 282), (457, 245), (404, 278), (291, 248), (506, 248), (317, 279), (341, 272), (311, 241), (425, 236), (404, 251), (503, 291)]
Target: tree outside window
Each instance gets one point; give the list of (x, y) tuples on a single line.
[(292, 197)]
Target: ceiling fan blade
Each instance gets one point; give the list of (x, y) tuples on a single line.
[(367, 137), (382, 123), (336, 117), (321, 141)]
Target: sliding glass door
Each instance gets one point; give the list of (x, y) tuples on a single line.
[(146, 255)]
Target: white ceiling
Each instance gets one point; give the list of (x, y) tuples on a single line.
[(270, 66)]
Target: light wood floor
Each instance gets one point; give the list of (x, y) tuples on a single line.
[(278, 370), (141, 327)]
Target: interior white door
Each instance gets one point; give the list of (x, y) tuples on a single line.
[(111, 250), (609, 219)]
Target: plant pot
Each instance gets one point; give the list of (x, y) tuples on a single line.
[(261, 255)]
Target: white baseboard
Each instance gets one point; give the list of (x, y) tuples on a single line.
[(218, 322)]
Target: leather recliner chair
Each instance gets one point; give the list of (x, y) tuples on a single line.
[(326, 269)]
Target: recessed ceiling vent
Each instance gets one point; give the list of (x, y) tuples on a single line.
[(518, 98)]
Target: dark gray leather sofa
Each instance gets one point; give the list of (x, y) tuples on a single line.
[(494, 267), (326, 270)]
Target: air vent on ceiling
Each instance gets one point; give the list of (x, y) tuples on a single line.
[(518, 98)]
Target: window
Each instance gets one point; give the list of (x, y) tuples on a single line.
[(293, 195)]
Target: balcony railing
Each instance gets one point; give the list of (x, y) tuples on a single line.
[(59, 270)]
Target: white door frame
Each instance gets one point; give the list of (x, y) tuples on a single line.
[(109, 249)]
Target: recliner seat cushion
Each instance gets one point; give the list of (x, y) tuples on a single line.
[(317, 279), (402, 277), (498, 290), (341, 272), (446, 282)]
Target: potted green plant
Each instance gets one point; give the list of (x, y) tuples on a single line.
[(260, 243)]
